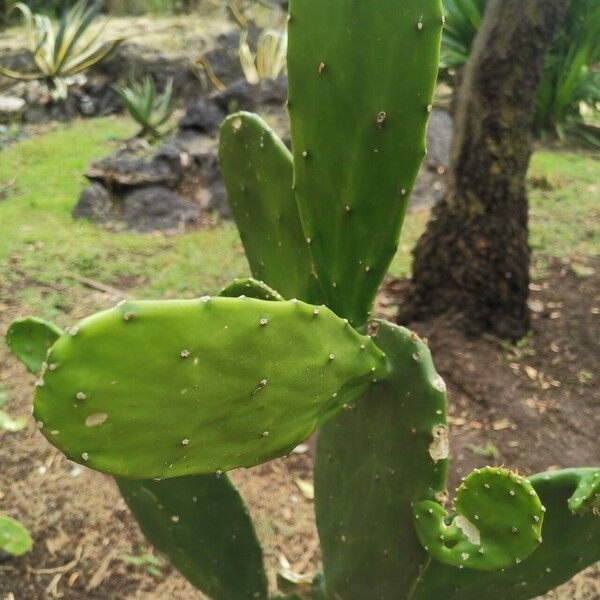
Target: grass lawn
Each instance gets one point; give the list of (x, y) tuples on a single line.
[(41, 178)]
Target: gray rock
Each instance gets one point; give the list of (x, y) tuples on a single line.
[(11, 109), (96, 205), (202, 116), (439, 138), (157, 208), (123, 169)]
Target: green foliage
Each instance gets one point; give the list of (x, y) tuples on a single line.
[(183, 390), (463, 18), (14, 538), (149, 109), (64, 51), (570, 84)]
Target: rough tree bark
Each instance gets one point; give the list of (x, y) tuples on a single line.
[(473, 259)]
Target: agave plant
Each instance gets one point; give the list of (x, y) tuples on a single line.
[(269, 61), (60, 52), (147, 107)]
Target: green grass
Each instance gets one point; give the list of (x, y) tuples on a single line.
[(565, 203), (40, 242), (41, 246)]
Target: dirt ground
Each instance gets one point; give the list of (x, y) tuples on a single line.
[(534, 407)]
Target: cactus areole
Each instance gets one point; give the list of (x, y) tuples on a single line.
[(167, 396)]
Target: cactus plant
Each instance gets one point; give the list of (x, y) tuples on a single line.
[(247, 375)]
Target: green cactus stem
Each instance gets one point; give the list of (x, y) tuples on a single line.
[(14, 538), (257, 170), (361, 83), (165, 389), (373, 462), (201, 524), (30, 339), (570, 544)]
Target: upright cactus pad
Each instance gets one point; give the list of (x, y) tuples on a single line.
[(497, 522), (570, 544), (373, 462), (30, 339), (164, 389), (258, 173), (202, 525), (361, 82)]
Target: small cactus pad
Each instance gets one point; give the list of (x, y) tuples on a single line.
[(258, 172), (14, 538), (376, 459), (29, 340), (571, 542), (586, 497), (250, 288), (361, 83), (201, 524), (172, 388), (497, 524)]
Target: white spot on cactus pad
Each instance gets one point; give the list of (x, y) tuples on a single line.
[(439, 449), (470, 530), (96, 419)]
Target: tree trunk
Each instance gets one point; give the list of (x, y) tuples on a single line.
[(473, 259)]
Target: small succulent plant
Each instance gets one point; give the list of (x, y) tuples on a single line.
[(151, 110), (60, 53)]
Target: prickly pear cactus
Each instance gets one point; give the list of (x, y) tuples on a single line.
[(258, 171), (214, 394), (30, 339), (497, 522), (202, 525), (361, 83), (185, 390), (395, 434), (570, 544)]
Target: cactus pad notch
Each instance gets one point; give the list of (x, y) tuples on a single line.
[(497, 523)]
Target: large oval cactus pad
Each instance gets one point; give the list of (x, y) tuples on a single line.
[(258, 173), (202, 525), (571, 542), (164, 389), (389, 451), (497, 524), (361, 78)]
